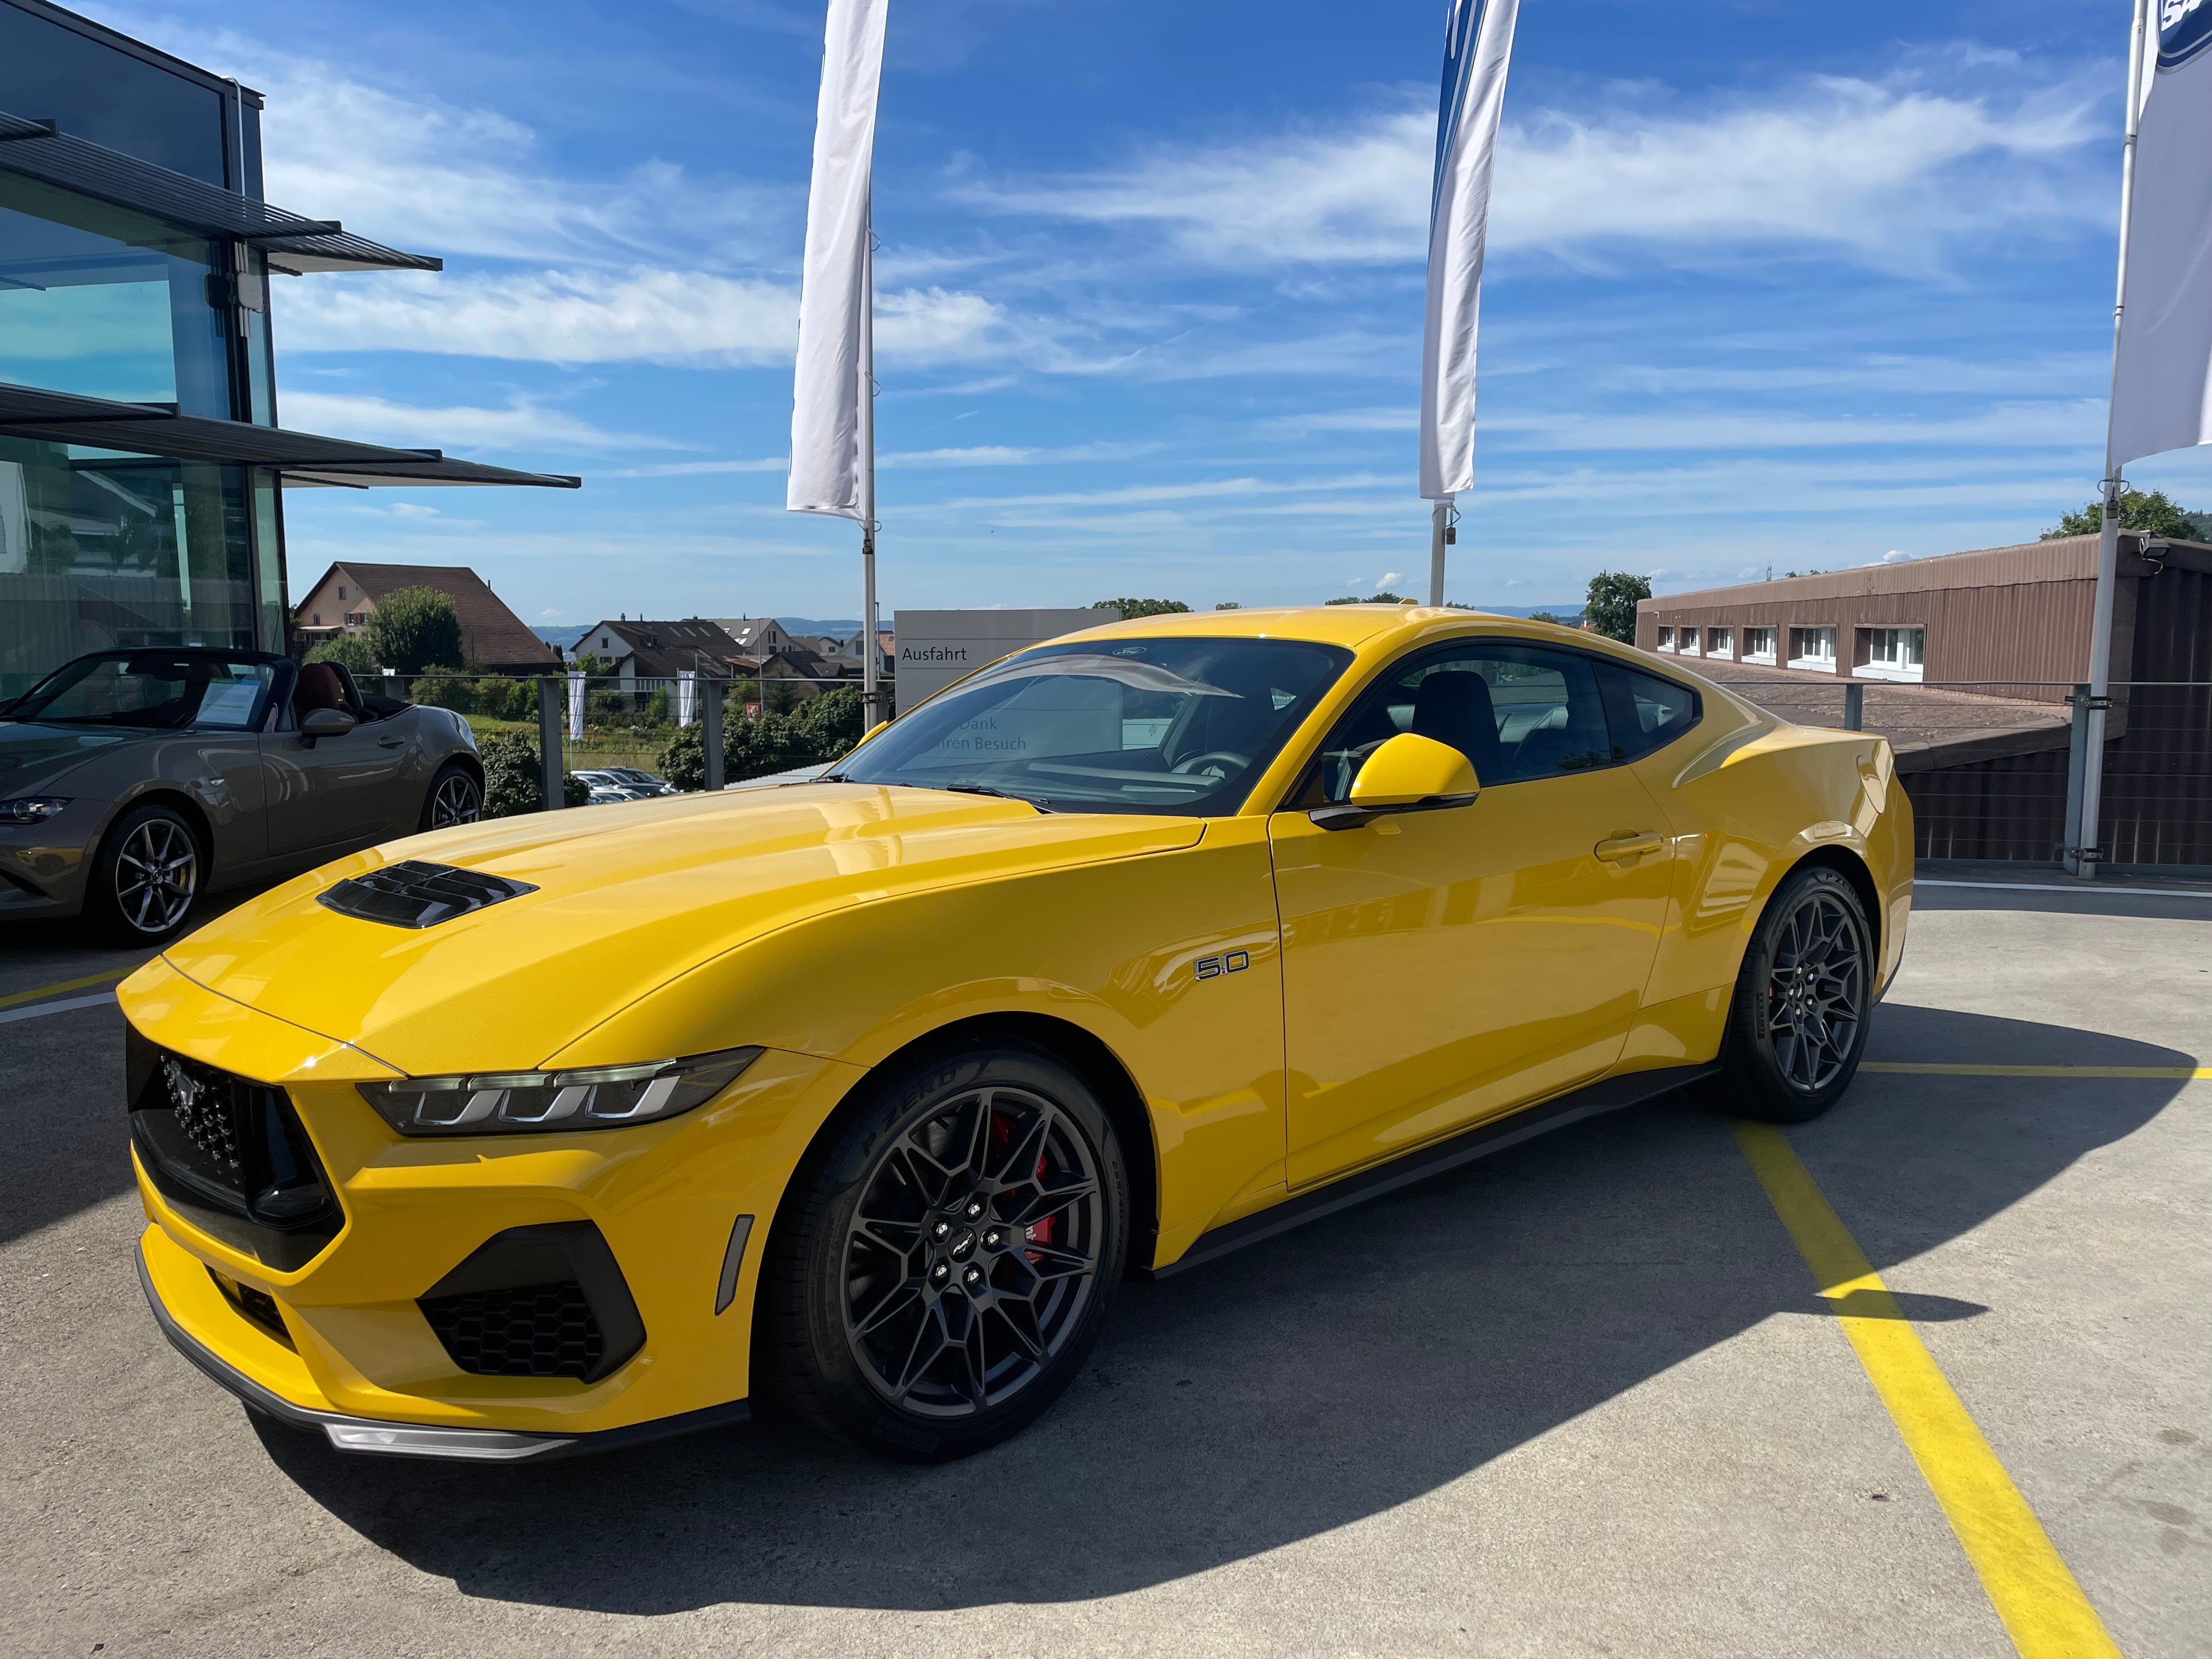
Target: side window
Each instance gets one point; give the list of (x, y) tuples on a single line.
[(1516, 712), (1645, 711)]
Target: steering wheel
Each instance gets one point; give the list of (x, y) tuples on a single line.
[(1196, 762)]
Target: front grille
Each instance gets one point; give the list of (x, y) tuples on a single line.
[(534, 1330), (415, 893), (230, 1155)]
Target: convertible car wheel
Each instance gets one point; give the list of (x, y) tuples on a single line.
[(145, 877), (455, 797), (1803, 1000), (941, 1271)]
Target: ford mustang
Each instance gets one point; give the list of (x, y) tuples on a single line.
[(519, 1138)]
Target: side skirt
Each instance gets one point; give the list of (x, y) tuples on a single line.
[(1611, 1094)]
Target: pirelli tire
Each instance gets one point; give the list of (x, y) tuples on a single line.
[(945, 1260)]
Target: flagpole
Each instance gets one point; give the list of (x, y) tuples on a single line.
[(1437, 531), (871, 696), (2083, 859)]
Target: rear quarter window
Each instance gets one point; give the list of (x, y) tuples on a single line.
[(1644, 712)]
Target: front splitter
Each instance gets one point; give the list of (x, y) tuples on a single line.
[(375, 1438)]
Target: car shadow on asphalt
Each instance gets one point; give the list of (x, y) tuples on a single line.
[(1308, 1383)]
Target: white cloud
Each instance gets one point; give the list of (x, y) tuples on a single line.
[(1389, 579), (978, 455), (523, 425), (1888, 173), (642, 315), (2057, 424)]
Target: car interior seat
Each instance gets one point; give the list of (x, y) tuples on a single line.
[(319, 687), (1453, 705)]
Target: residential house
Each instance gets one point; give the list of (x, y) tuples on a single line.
[(492, 636), (644, 655)]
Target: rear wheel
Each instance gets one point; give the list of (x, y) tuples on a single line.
[(944, 1272), (146, 876), (455, 797), (1804, 998)]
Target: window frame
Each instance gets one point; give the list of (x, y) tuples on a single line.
[(1767, 658), (1723, 652), (1665, 641), (1305, 774), (1868, 669), (1827, 665)]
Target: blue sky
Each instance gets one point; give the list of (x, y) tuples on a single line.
[(1776, 283)]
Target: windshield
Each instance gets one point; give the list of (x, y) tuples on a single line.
[(1181, 725), (165, 690)]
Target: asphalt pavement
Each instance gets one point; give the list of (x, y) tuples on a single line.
[(1586, 1398)]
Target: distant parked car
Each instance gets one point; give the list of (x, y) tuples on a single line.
[(133, 782), (639, 779), (607, 784)]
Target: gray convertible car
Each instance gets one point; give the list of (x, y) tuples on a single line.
[(133, 782)]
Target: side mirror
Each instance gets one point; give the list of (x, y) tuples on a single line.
[(324, 723), (871, 732), (1408, 773)]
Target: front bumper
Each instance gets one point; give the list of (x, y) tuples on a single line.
[(383, 1439), (341, 1342)]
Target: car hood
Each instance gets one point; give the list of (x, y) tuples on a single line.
[(33, 754), (628, 898)]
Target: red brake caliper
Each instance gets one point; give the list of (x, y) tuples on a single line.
[(1041, 1232)]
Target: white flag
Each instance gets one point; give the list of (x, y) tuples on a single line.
[(1478, 41), (2162, 365), (829, 406)]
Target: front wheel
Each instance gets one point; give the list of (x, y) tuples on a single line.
[(1797, 1028), (455, 797), (945, 1268), (145, 877)]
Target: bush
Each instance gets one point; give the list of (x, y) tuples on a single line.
[(350, 654), (511, 781), (656, 707), (502, 699), (683, 760), (415, 630), (456, 695), (607, 705)]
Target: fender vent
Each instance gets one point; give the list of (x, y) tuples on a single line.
[(414, 893)]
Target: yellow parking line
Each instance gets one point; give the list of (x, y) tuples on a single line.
[(1919, 1070), (2035, 1596), (57, 988)]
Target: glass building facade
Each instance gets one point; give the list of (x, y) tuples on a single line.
[(101, 547)]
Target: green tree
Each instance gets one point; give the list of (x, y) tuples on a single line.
[(1229, 604), (2150, 512), (1381, 596), (1543, 616), (347, 650), (1133, 609), (656, 707), (1610, 605), (415, 629)]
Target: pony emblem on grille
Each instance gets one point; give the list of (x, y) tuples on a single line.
[(200, 1113)]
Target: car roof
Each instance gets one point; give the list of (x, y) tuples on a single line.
[(1368, 629), (209, 652)]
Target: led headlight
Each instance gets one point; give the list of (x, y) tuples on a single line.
[(599, 1097), (32, 809)]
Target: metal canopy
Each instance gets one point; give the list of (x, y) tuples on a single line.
[(35, 149), (301, 458)]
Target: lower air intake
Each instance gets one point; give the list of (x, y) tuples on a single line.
[(534, 1330), (415, 893)]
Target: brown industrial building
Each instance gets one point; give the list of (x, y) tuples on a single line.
[(1968, 661)]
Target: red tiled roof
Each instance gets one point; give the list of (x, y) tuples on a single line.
[(491, 633)]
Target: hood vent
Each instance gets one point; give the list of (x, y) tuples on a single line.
[(414, 893)]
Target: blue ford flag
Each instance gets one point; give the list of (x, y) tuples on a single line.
[(1478, 41), (2162, 360)]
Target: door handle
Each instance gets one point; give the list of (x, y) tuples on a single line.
[(390, 743), (1629, 847)]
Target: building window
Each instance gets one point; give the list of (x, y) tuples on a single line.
[(1758, 645), (342, 590), (1720, 642), (1666, 639), (1813, 648), (1685, 641), (315, 621), (1890, 654)]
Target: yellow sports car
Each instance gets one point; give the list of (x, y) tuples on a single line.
[(518, 1139)]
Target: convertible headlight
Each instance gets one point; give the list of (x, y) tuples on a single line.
[(599, 1098), (32, 809)]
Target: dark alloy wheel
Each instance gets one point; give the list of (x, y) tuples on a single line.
[(455, 797), (1803, 1000), (146, 876), (952, 1260)]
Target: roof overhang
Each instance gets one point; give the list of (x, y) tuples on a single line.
[(300, 457), (294, 243)]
